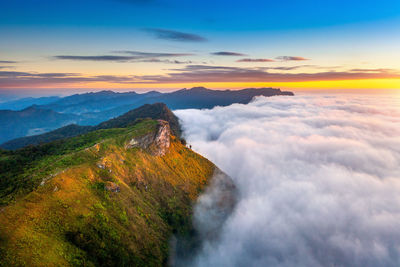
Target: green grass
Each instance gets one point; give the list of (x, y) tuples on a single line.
[(23, 170), (73, 221)]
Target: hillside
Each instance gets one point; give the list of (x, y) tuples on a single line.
[(154, 111), (110, 197)]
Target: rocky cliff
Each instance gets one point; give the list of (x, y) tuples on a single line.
[(156, 142)]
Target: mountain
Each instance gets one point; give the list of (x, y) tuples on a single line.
[(32, 120), (94, 108), (197, 97), (110, 197), (104, 105), (27, 102), (200, 97), (99, 101), (60, 133), (153, 111)]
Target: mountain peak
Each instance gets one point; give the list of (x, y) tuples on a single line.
[(198, 89), (32, 107), (153, 111)]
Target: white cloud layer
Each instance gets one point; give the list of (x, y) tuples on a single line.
[(318, 180)]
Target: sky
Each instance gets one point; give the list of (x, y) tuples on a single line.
[(65, 46)]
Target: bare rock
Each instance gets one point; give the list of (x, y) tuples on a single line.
[(112, 187), (156, 143), (162, 140), (101, 166)]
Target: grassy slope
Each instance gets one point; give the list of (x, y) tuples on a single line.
[(73, 220)]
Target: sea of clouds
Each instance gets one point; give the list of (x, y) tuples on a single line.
[(318, 180)]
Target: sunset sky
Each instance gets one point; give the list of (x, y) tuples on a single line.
[(164, 45)]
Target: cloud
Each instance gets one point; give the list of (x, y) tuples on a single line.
[(210, 73), (318, 180), (175, 35), (7, 62), (153, 55), (167, 61), (255, 60), (194, 73), (134, 56), (226, 53), (97, 58), (290, 58), (372, 70), (29, 74), (30, 79)]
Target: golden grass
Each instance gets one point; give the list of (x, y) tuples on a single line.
[(70, 218)]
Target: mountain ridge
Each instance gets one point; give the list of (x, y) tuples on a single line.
[(154, 111), (92, 108)]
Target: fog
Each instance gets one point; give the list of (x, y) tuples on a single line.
[(318, 180)]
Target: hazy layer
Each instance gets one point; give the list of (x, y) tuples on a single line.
[(318, 180)]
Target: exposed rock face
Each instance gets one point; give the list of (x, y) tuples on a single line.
[(113, 187), (162, 139), (156, 143)]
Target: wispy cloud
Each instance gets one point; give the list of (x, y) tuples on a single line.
[(175, 35), (205, 73), (227, 53), (130, 56), (97, 58), (32, 74), (7, 62), (194, 74), (255, 60), (167, 61), (290, 58), (21, 79), (371, 70), (153, 55)]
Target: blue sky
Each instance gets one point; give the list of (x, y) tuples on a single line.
[(337, 36), (207, 16)]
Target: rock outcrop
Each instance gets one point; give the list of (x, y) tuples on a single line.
[(112, 187), (156, 143)]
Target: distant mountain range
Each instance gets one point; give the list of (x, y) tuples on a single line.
[(48, 113), (27, 102), (31, 121)]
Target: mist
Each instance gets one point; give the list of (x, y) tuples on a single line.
[(317, 180)]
